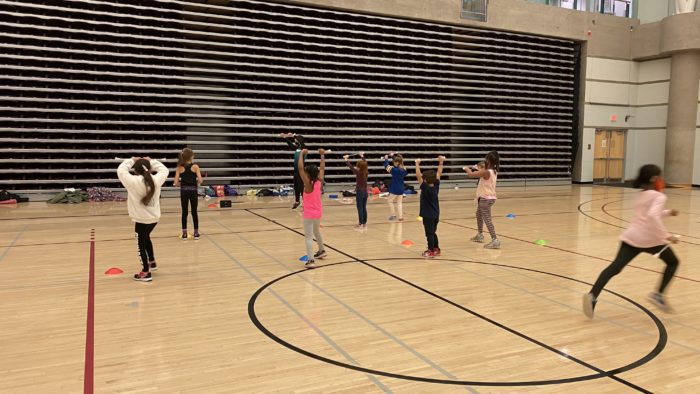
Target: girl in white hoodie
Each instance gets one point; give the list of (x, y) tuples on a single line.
[(144, 205)]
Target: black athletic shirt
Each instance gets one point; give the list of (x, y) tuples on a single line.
[(188, 177)]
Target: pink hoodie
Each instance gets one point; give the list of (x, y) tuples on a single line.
[(646, 229)]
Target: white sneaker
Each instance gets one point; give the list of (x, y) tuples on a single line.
[(494, 244), (479, 237), (310, 264)]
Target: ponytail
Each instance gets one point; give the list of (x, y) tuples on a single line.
[(184, 156), (143, 167)]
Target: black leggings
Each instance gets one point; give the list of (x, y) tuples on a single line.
[(430, 225), (628, 252), (188, 198), (145, 246), (298, 186)]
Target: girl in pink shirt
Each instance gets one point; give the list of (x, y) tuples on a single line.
[(312, 177), (646, 233)]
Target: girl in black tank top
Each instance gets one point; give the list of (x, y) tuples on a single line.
[(188, 176)]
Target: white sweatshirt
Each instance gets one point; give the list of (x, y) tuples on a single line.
[(136, 187)]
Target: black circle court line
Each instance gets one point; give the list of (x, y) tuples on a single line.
[(658, 348), (605, 211)]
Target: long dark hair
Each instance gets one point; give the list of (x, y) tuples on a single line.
[(183, 157), (647, 172), (143, 167), (313, 171), (493, 161), (362, 166)]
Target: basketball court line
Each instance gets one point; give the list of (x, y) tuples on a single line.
[(605, 211), (568, 251), (612, 224), (379, 201), (88, 381), (473, 313), (12, 244), (260, 231), (352, 310), (289, 306), (569, 307)]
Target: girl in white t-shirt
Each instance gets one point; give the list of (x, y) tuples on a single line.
[(144, 205)]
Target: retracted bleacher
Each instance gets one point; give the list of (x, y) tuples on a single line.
[(85, 81)]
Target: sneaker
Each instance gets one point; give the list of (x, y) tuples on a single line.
[(494, 244), (320, 254), (184, 236), (143, 277), (196, 236), (392, 217), (437, 252), (428, 254), (479, 237), (659, 300), (589, 305), (296, 205), (400, 219), (310, 264), (152, 266)]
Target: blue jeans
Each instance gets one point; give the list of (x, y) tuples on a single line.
[(361, 200)]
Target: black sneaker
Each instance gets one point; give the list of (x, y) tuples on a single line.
[(152, 266), (143, 277), (320, 254), (296, 205), (589, 305), (196, 236)]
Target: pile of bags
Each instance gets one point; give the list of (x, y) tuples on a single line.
[(69, 196), (103, 194), (10, 198)]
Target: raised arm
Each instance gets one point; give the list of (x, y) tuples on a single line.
[(322, 172), (441, 159), (352, 167), (300, 166), (387, 164), (289, 139), (161, 172), (123, 172), (419, 176), (478, 173)]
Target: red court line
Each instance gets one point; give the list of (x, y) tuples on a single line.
[(88, 381)]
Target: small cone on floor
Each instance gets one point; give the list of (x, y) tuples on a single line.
[(304, 258), (407, 242), (541, 242), (113, 271)]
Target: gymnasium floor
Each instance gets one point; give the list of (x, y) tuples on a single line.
[(236, 312)]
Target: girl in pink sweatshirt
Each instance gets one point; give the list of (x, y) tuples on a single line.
[(646, 233)]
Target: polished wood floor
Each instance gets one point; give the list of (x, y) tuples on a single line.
[(374, 317)]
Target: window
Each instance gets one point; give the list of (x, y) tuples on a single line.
[(474, 9)]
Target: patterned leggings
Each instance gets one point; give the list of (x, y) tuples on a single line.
[(483, 215)]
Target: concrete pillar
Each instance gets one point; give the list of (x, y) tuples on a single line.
[(682, 113)]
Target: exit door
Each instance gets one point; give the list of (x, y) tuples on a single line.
[(609, 156)]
